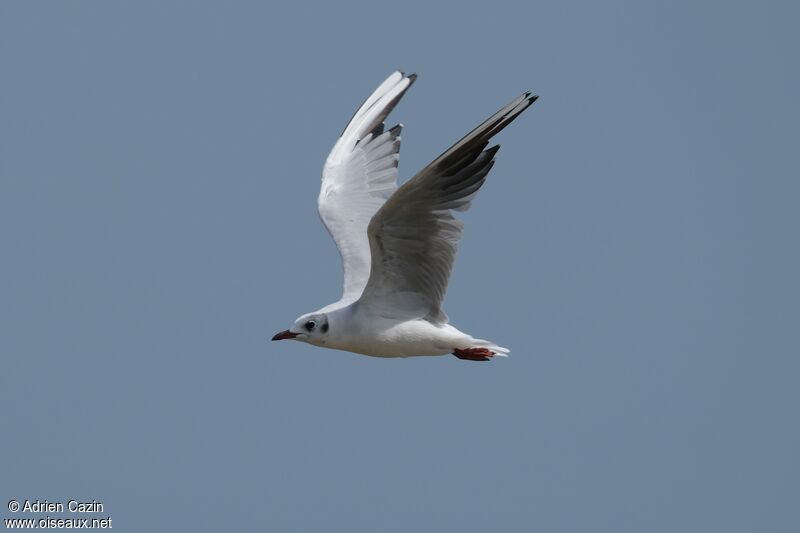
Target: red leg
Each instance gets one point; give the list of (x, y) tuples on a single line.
[(474, 354)]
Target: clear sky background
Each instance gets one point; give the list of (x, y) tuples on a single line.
[(637, 246)]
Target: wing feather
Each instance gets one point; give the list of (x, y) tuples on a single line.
[(414, 236), (359, 175)]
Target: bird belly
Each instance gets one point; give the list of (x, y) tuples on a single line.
[(405, 339)]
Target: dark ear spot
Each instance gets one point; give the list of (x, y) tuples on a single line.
[(325, 327)]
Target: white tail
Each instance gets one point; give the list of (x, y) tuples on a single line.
[(489, 345)]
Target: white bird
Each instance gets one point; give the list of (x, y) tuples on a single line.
[(398, 244)]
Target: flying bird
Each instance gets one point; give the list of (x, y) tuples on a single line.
[(398, 244)]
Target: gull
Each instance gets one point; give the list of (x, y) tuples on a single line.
[(398, 244)]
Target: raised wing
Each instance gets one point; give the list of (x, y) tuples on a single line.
[(414, 236), (359, 175)]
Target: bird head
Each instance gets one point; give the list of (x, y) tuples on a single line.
[(311, 328)]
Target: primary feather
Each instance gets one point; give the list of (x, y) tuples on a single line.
[(414, 236), (359, 175)]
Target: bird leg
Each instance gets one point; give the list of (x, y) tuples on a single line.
[(474, 354)]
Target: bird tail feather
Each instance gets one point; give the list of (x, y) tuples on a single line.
[(489, 345)]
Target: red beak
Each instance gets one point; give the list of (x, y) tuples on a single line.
[(284, 335)]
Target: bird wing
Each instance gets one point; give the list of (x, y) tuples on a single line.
[(359, 175), (414, 236)]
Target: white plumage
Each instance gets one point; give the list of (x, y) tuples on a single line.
[(397, 244)]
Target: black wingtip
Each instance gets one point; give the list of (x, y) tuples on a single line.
[(528, 100), (412, 78)]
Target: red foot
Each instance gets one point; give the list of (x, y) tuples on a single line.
[(474, 354)]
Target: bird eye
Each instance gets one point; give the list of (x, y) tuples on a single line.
[(310, 325)]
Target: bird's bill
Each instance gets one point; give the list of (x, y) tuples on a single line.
[(284, 335)]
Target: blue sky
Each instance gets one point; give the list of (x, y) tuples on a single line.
[(636, 246)]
